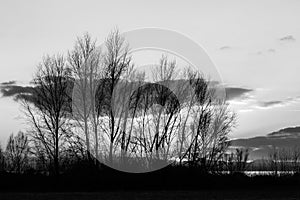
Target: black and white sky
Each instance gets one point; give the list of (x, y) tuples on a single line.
[(254, 44)]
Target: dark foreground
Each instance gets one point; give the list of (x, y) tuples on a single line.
[(286, 194), (168, 183)]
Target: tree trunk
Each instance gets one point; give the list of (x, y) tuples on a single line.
[(56, 161)]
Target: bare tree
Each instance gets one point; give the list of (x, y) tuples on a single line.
[(116, 62), (124, 114), (167, 118), (274, 160), (17, 152), (222, 124), (157, 115), (285, 159), (2, 160), (206, 124), (49, 114), (85, 62), (296, 159), (241, 159)]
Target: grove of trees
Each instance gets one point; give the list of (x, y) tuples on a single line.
[(93, 104)]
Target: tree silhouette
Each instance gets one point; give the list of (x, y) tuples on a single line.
[(85, 62), (17, 152), (49, 116)]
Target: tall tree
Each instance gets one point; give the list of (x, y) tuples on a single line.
[(116, 62), (157, 114), (85, 62), (50, 113), (207, 124)]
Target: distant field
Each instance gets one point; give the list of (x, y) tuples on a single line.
[(157, 195)]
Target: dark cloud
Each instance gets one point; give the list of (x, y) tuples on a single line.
[(8, 83), (12, 90), (26, 92), (260, 147), (267, 104), (236, 92), (276, 103), (287, 132), (288, 38), (225, 47), (18, 92)]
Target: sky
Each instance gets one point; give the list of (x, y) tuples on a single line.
[(253, 43)]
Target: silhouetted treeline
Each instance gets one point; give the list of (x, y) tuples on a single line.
[(92, 109), (93, 104), (17, 158), (21, 172)]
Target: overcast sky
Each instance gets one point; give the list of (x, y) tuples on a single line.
[(254, 44)]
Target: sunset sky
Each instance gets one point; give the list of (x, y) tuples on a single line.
[(254, 44)]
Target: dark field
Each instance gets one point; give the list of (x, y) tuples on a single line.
[(164, 195), (169, 183)]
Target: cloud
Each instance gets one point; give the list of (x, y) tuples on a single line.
[(18, 92), (12, 90), (225, 47), (8, 83), (276, 103), (237, 93), (9, 89), (268, 104), (288, 38), (264, 52), (247, 101)]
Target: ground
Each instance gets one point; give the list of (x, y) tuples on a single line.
[(164, 195)]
